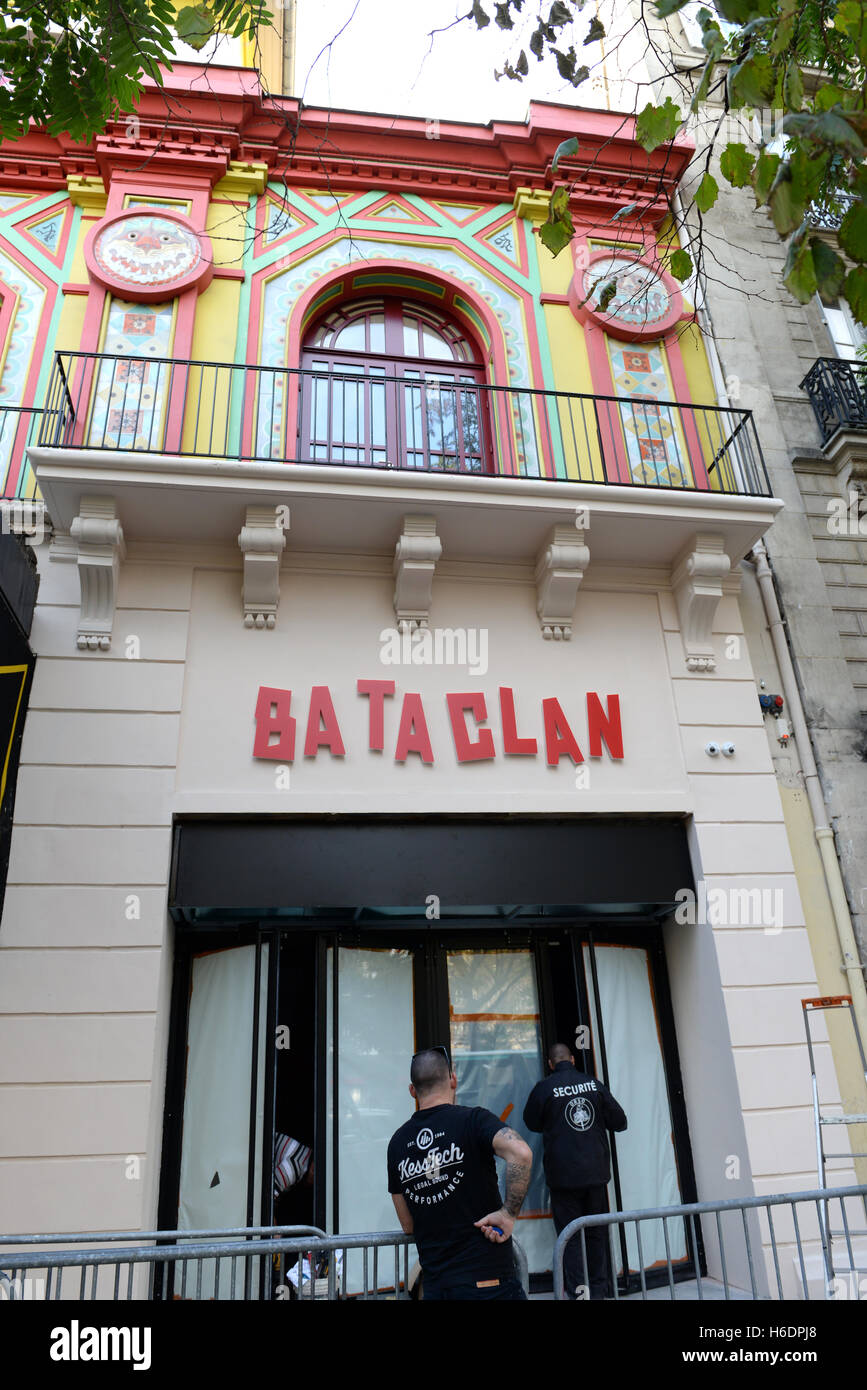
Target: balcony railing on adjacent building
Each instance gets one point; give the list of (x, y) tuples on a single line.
[(367, 419), (838, 394)]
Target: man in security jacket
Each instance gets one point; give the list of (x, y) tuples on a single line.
[(572, 1111)]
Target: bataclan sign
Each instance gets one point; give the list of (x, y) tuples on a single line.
[(468, 714)]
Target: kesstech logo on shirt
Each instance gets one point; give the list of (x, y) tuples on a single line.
[(432, 1167)]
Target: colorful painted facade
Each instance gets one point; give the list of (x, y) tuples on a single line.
[(389, 580)]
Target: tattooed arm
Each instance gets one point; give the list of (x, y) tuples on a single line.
[(519, 1165)]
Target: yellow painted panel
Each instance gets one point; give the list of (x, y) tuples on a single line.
[(207, 430), (71, 324), (555, 272), (227, 227), (78, 270), (216, 325), (578, 434)]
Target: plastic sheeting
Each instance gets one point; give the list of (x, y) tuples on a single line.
[(375, 1031), (645, 1152), (497, 1055), (216, 1131)]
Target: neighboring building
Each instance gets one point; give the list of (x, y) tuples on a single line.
[(393, 683)]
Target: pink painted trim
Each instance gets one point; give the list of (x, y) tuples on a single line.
[(553, 298), (610, 433), (681, 392), (38, 354), (630, 333), (225, 273), (200, 276), (416, 217), (69, 287), (160, 183), (57, 256)]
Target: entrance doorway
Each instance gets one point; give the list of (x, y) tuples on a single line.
[(346, 1010)]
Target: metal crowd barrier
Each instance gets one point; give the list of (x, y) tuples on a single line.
[(745, 1253), (274, 1263)]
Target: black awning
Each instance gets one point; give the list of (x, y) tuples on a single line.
[(291, 867)]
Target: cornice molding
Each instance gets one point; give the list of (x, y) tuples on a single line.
[(243, 180), (87, 191), (223, 127)]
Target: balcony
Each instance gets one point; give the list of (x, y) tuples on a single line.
[(837, 389), (182, 449), (435, 424)]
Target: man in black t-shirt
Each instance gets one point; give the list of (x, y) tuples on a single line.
[(442, 1178)]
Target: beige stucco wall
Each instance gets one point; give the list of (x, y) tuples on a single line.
[(116, 744)]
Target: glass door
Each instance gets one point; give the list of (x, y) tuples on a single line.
[(496, 1046)]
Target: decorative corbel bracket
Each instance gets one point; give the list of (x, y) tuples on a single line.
[(560, 567), (415, 559), (262, 540), (697, 584), (99, 538)]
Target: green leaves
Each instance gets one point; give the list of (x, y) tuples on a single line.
[(855, 291), (830, 269), (812, 266), (606, 294), (77, 72), (849, 18), (853, 232), (656, 124), (751, 83), (680, 265), (736, 163), (793, 86), (763, 175), (195, 25), (563, 151), (798, 272), (567, 67), (707, 193), (558, 230), (595, 32), (787, 206), (479, 15)]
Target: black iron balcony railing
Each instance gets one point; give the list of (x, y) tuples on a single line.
[(441, 422), (19, 427), (838, 394)]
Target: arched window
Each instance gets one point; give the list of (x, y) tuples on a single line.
[(392, 383)]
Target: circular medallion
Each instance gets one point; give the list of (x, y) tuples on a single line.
[(640, 301), (143, 255), (580, 1114)]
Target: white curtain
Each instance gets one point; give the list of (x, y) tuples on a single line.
[(216, 1130), (645, 1151)]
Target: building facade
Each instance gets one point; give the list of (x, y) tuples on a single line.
[(397, 673)]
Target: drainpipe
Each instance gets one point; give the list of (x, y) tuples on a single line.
[(287, 87), (823, 831)]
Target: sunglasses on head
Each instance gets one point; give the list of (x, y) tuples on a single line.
[(438, 1048)]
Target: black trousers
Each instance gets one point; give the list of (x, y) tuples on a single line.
[(567, 1204)]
